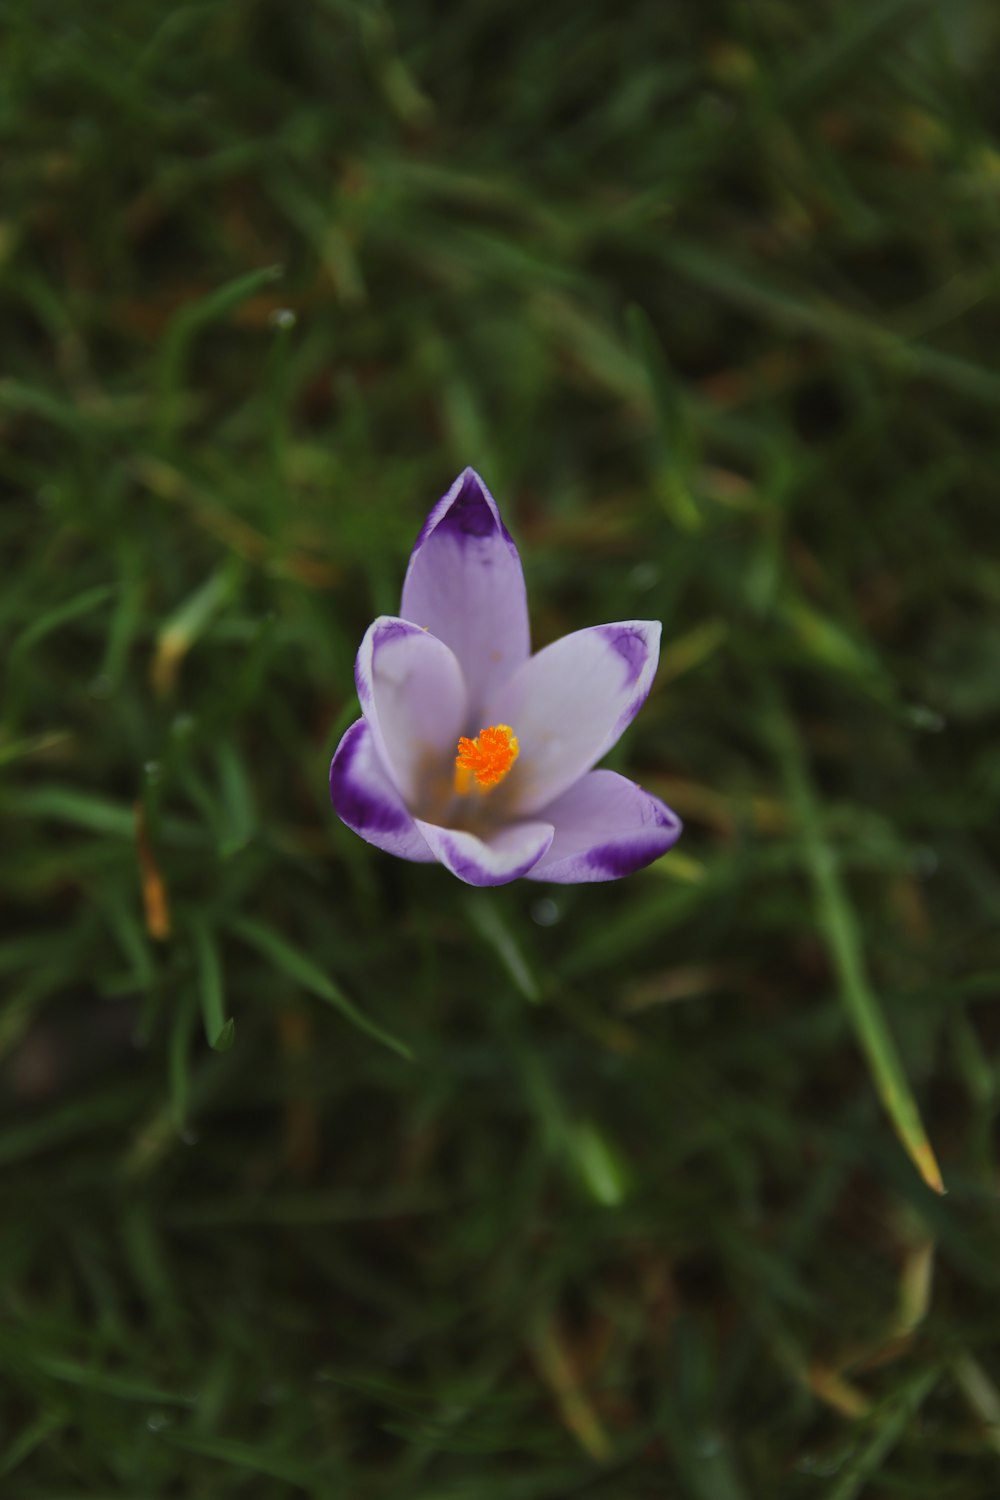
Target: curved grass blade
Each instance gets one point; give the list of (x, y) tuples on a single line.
[(488, 921), (837, 922), (61, 614), (178, 634), (220, 1030), (188, 323), (897, 1415), (304, 972)]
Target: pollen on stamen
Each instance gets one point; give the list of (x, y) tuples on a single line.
[(486, 759)]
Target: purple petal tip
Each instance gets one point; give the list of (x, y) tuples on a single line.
[(355, 804), (632, 646), (469, 513), (614, 860)]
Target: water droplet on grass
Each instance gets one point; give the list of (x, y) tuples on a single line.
[(545, 912), (927, 719), (823, 1465), (644, 575)]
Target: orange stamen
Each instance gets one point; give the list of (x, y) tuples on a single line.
[(487, 758)]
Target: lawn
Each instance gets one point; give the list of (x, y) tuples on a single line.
[(324, 1175)]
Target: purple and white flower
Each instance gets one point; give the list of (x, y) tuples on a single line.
[(477, 754)]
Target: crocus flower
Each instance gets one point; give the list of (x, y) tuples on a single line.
[(477, 754)]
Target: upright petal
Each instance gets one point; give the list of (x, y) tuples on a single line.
[(498, 858), (365, 798), (606, 827), (569, 704), (465, 585), (413, 697)]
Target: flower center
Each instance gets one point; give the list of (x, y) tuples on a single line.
[(486, 759)]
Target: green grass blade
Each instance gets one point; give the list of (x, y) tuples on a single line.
[(179, 1062), (253, 1459), (123, 1387), (220, 1030), (305, 973), (30, 1438), (188, 622), (189, 322), (62, 614), (843, 940), (488, 921), (893, 1422)]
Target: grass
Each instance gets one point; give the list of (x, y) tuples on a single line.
[(324, 1175)]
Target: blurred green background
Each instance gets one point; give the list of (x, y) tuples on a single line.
[(322, 1174)]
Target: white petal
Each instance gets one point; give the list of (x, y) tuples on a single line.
[(465, 585), (413, 696), (569, 704)]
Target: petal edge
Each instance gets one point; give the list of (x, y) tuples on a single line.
[(607, 827), (365, 799), (571, 702), (413, 697), (465, 585), (507, 855)]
